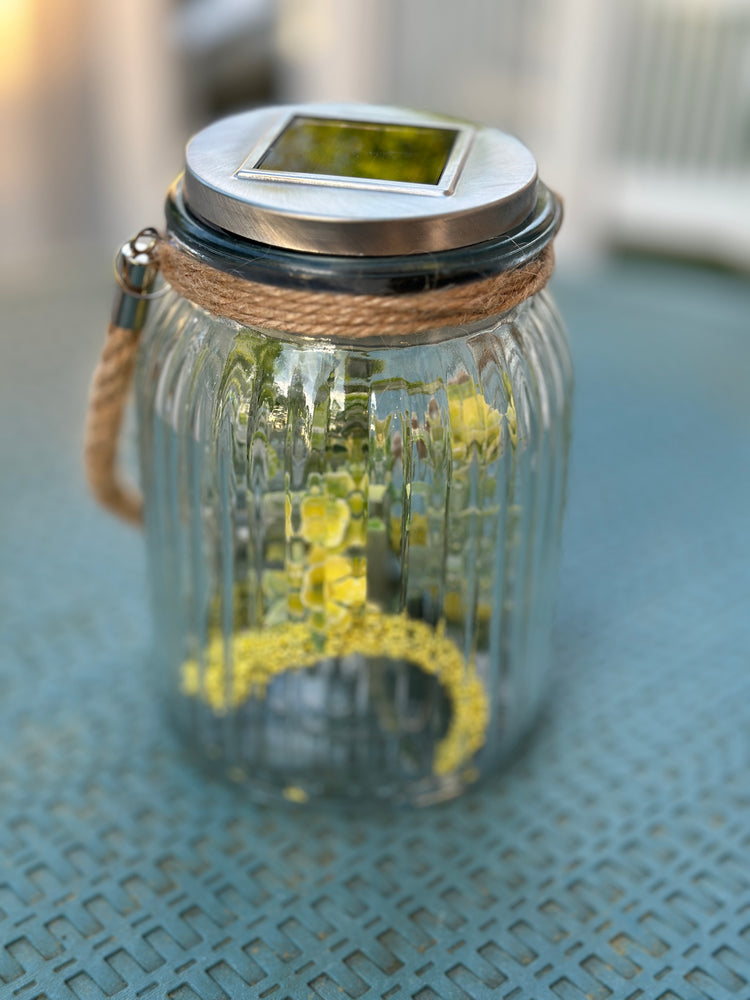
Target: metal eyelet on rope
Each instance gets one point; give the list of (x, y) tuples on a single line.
[(133, 261), (136, 270)]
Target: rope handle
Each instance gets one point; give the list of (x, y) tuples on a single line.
[(136, 269)]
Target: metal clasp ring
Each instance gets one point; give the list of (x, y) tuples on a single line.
[(134, 253)]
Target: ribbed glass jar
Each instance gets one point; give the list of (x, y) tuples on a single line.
[(353, 548)]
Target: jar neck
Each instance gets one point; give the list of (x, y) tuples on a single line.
[(362, 275)]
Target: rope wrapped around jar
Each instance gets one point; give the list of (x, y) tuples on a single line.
[(304, 312)]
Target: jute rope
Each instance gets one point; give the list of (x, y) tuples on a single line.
[(347, 316), (331, 315), (107, 398)]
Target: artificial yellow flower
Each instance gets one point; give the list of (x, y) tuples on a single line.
[(473, 422), (334, 586), (325, 520)]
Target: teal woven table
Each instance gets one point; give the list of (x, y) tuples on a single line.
[(611, 859)]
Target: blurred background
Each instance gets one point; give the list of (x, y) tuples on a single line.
[(638, 112)]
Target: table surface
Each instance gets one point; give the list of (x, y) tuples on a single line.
[(611, 859)]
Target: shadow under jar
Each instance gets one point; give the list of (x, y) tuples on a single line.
[(353, 523)]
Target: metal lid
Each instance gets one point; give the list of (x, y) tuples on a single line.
[(358, 180)]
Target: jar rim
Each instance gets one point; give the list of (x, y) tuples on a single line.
[(379, 275)]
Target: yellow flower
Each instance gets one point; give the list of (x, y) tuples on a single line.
[(473, 423), (325, 520), (334, 585)]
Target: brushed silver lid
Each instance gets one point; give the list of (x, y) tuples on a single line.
[(259, 176)]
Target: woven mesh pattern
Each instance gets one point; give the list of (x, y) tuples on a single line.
[(612, 859)]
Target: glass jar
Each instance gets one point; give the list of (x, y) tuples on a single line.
[(353, 543)]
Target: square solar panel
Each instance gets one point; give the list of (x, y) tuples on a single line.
[(375, 150)]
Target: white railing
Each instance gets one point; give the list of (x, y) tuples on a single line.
[(680, 163), (638, 110)]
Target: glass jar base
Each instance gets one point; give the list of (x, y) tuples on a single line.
[(338, 791), (339, 788)]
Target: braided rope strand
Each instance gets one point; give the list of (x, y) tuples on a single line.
[(350, 317), (107, 399)]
